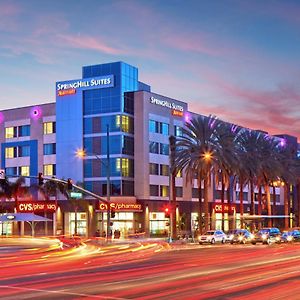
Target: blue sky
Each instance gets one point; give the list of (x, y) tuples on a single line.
[(239, 60)]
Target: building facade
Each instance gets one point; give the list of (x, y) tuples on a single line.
[(124, 129)]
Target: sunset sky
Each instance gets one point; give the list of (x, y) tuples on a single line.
[(238, 60)]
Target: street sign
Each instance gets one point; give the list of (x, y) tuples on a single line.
[(76, 195), (2, 174)]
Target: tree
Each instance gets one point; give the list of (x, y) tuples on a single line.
[(196, 153)]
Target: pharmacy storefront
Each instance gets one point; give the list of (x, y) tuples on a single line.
[(124, 219)]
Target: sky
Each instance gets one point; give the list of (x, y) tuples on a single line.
[(236, 59)]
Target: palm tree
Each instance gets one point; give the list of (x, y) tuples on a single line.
[(196, 152), (227, 158), (289, 175), (249, 160), (13, 190)]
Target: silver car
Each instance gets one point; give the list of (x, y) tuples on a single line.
[(212, 237)]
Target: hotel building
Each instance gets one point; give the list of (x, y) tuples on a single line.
[(108, 103)]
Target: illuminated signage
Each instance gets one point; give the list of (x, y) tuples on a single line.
[(177, 110), (225, 208), (36, 206), (120, 207), (69, 87), (66, 92), (177, 113)]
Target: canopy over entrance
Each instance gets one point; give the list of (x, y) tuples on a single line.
[(30, 218)]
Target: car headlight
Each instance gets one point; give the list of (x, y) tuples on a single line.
[(289, 238), (231, 236), (264, 236), (252, 236), (199, 237), (277, 238)]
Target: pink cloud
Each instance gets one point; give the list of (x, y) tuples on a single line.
[(275, 111), (198, 43), (88, 42)]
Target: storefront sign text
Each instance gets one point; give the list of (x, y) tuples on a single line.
[(36, 206), (225, 208), (121, 207)]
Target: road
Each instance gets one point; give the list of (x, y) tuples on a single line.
[(147, 270)]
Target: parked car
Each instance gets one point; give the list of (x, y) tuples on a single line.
[(267, 236), (240, 236), (291, 236), (212, 237)]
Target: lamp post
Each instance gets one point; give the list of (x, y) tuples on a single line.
[(81, 153)]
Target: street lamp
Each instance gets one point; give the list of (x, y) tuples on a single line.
[(81, 153)]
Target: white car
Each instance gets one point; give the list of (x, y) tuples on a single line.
[(212, 237)]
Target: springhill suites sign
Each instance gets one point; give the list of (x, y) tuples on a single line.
[(177, 110), (70, 87)]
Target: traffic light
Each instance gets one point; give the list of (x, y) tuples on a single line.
[(167, 212), (41, 179), (112, 213), (69, 184)]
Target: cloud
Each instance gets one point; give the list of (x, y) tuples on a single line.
[(275, 111), (88, 43)]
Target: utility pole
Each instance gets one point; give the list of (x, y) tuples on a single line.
[(108, 231)]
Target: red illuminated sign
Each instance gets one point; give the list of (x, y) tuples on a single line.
[(66, 92), (36, 206), (177, 113), (225, 208), (132, 207)]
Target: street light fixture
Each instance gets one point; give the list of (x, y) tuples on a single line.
[(81, 153)]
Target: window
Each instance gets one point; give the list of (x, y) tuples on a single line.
[(164, 128), (164, 191), (24, 151), (164, 149), (125, 123), (153, 190), (10, 152), (11, 132), (164, 170), (126, 166), (153, 147), (49, 127), (49, 170), (153, 126), (245, 196), (11, 171), (24, 171), (127, 145), (49, 149), (153, 169), (177, 131), (178, 191), (195, 193), (24, 130), (179, 173)]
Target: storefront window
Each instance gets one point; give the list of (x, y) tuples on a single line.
[(122, 223), (158, 223), (81, 223)]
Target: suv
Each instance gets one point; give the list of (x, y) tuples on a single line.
[(240, 236), (267, 236), (212, 236)]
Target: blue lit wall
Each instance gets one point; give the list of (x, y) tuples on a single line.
[(82, 97)]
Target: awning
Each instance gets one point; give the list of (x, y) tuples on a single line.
[(25, 217)]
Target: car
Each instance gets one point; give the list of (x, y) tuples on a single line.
[(267, 236), (240, 236), (212, 237), (291, 236)]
